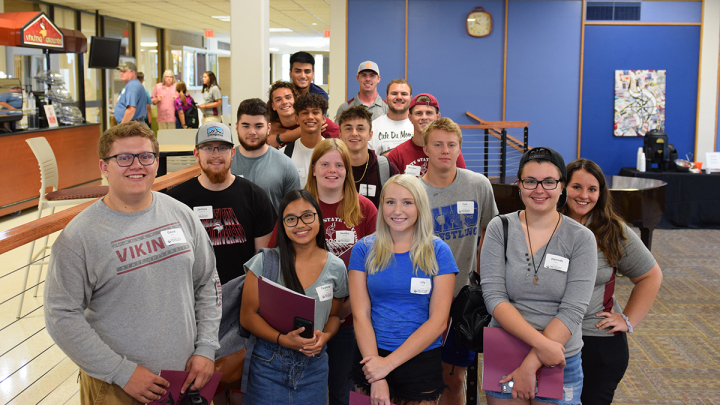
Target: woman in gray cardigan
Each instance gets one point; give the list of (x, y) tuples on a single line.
[(539, 289)]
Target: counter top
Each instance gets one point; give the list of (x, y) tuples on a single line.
[(41, 130)]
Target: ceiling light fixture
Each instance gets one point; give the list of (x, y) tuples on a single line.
[(148, 44), (222, 17), (274, 49), (305, 44), (280, 30)]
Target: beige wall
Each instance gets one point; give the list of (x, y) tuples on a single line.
[(225, 77)]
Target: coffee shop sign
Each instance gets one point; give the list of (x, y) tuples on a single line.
[(40, 31)]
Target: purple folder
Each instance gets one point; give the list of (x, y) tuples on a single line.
[(176, 379), (279, 305), (503, 353), (359, 399)]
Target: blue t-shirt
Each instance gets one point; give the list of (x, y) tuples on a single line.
[(133, 95), (315, 89), (396, 312)]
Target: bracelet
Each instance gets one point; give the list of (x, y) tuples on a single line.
[(627, 321), (278, 139), (277, 341)]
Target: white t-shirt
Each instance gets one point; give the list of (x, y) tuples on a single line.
[(387, 134), (301, 157)]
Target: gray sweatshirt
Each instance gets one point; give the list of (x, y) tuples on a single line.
[(561, 293), (133, 288)]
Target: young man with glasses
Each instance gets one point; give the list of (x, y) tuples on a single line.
[(236, 213), (132, 287), (368, 76), (462, 205), (409, 156)]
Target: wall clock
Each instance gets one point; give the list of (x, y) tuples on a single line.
[(479, 23)]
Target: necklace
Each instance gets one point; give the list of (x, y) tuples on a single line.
[(535, 279), (364, 171)]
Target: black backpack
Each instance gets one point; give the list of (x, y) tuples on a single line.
[(468, 312), (191, 117)]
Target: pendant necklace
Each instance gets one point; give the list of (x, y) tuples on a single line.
[(364, 171), (535, 280)]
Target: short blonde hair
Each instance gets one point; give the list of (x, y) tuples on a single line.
[(442, 124), (169, 72)]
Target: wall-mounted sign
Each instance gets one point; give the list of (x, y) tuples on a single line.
[(209, 34), (327, 33), (40, 31)]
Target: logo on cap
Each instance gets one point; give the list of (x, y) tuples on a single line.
[(215, 131), (368, 64)]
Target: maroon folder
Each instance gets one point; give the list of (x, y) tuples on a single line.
[(279, 305), (503, 353), (359, 399), (176, 379)]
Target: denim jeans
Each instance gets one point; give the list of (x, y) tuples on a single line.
[(279, 375), (340, 350)]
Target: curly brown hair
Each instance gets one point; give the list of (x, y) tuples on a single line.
[(308, 101), (126, 130), (279, 85)]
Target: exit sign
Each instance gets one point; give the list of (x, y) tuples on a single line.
[(209, 34), (327, 33)]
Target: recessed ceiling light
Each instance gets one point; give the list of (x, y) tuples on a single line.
[(222, 17), (280, 30), (148, 44), (314, 24), (305, 44), (273, 49)]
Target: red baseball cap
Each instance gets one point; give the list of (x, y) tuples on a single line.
[(431, 102)]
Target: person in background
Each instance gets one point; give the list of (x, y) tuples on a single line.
[(287, 368), (163, 97), (395, 127), (285, 128), (302, 74), (148, 117), (132, 102), (369, 170), (368, 77), (605, 327), (183, 102), (348, 217), (401, 282), (538, 290), (211, 99)]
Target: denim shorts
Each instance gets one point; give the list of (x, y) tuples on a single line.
[(279, 375), (572, 385)]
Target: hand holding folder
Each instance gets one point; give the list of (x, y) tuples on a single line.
[(280, 305), (176, 379), (504, 353)]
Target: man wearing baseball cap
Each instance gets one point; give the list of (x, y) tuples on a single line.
[(132, 103), (409, 156), (236, 213), (368, 76)]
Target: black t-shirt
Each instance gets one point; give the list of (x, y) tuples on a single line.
[(240, 213)]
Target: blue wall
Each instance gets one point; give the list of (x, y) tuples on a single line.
[(607, 48)]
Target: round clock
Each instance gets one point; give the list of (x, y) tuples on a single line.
[(479, 23)]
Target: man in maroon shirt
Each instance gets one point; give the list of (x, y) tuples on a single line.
[(409, 156)]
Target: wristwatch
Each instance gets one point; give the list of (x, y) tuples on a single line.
[(278, 140)]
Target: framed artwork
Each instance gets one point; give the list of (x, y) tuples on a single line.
[(639, 101)]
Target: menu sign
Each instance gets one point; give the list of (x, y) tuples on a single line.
[(40, 31)]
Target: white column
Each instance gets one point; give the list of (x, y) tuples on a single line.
[(249, 51), (338, 59), (708, 88), (3, 61)]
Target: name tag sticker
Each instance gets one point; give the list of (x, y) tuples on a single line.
[(412, 170), (324, 292), (371, 190), (301, 172), (363, 189), (345, 236), (465, 207), (420, 285), (557, 263), (173, 236), (204, 212)]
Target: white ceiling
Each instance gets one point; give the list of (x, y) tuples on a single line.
[(308, 19)]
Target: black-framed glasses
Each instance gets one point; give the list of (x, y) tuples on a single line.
[(532, 184), (307, 218), (127, 159), (210, 149)]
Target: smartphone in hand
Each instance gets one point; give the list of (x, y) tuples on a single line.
[(299, 323)]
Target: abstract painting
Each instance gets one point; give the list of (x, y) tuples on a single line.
[(639, 101)]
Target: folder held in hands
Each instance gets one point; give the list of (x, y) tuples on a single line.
[(280, 305)]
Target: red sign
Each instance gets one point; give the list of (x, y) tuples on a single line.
[(42, 32), (327, 33), (209, 34)]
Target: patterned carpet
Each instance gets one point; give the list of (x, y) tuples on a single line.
[(675, 351)]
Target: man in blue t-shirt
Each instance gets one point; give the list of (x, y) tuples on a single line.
[(132, 103)]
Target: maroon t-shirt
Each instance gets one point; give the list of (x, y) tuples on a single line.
[(409, 154)]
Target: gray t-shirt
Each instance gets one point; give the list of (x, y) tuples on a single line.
[(334, 273), (460, 211), (128, 289), (636, 261), (565, 278), (210, 96), (273, 172)]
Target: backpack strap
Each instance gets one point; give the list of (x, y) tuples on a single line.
[(504, 220), (383, 170), (289, 148)]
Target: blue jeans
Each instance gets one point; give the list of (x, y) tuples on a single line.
[(340, 350), (279, 375), (572, 384)]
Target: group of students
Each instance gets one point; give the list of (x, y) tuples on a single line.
[(173, 101)]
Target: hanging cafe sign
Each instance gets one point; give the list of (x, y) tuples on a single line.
[(40, 31)]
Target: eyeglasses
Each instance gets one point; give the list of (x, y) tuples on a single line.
[(532, 184), (307, 218), (211, 149), (127, 159)]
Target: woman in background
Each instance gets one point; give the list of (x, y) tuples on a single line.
[(163, 97), (183, 102), (605, 354), (401, 283), (211, 99), (348, 218)]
